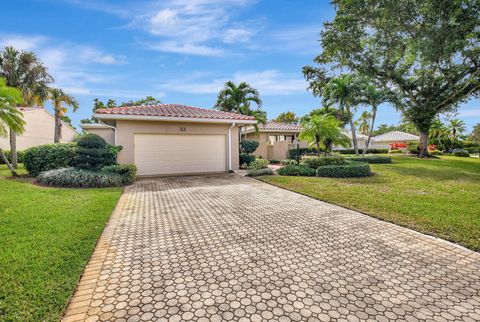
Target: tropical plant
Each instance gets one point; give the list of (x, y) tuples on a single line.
[(60, 101), (363, 122), (439, 135), (10, 117), (456, 127), (232, 97), (259, 115), (321, 129), (98, 104), (475, 135), (286, 117), (344, 91), (425, 51), (23, 70), (339, 114), (149, 100)]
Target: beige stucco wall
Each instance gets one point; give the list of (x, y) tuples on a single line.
[(39, 129), (277, 151), (127, 129), (107, 134)]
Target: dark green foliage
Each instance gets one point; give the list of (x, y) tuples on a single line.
[(370, 151), (248, 146), (111, 155), (246, 159), (296, 170), (49, 156), (413, 147), (289, 162), (91, 152), (372, 159), (315, 162), (80, 178), (127, 171), (293, 153), (260, 172), (349, 170), (8, 154), (274, 161), (460, 153), (258, 164)]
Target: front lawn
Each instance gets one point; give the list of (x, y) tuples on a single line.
[(437, 197), (46, 238)]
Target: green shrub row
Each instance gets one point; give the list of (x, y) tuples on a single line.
[(372, 159), (349, 170), (371, 151), (293, 153), (460, 153), (315, 162), (49, 156), (289, 162), (127, 171), (260, 172), (395, 151), (258, 164), (8, 155), (296, 170)]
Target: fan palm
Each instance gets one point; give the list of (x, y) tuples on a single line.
[(345, 92), (59, 98), (23, 70), (322, 130), (456, 127), (10, 117)]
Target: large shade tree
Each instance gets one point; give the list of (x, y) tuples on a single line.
[(60, 101), (426, 51), (10, 117), (286, 117), (23, 70)]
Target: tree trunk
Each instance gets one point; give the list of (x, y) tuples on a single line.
[(374, 114), (58, 128), (352, 128), (423, 147), (318, 149), (13, 149), (9, 166)]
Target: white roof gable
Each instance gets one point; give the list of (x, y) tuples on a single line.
[(395, 136)]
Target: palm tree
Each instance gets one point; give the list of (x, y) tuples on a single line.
[(456, 128), (232, 97), (58, 97), (363, 122), (23, 70), (373, 96), (439, 135), (321, 129), (345, 92), (10, 117)]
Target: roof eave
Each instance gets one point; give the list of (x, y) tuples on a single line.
[(171, 119)]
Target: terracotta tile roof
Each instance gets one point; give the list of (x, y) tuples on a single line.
[(173, 110), (30, 108), (395, 136), (278, 126)]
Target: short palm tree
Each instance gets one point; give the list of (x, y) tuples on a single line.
[(456, 127), (363, 122), (58, 98), (23, 70), (232, 97), (344, 91), (10, 117), (323, 130)]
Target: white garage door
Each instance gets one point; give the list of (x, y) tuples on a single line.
[(159, 154)]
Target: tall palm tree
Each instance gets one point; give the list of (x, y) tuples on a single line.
[(259, 115), (344, 91), (321, 129), (23, 70), (456, 128), (373, 96), (363, 122), (58, 98), (232, 97), (10, 117)]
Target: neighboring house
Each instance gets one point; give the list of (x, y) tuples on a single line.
[(384, 140), (170, 139), (39, 129)]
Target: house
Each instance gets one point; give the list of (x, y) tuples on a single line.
[(384, 140), (39, 129), (170, 139)]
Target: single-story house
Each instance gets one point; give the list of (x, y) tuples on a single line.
[(171, 139), (39, 129), (276, 138)]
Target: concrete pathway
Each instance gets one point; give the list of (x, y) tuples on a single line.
[(228, 248)]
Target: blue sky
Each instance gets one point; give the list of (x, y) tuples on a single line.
[(180, 51)]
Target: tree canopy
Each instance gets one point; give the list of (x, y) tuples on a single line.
[(286, 117)]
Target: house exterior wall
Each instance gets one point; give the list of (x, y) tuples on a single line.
[(278, 150), (107, 134), (39, 129), (127, 129)]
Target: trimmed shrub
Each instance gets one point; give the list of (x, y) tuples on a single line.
[(248, 146), (91, 152), (460, 153), (127, 171), (258, 164), (246, 159), (315, 162), (49, 156), (274, 161), (260, 172), (349, 170), (296, 170), (395, 151), (8, 154), (379, 159), (413, 148), (80, 178), (289, 162), (112, 152), (370, 151), (293, 153)]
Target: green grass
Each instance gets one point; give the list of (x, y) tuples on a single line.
[(46, 238), (437, 197)]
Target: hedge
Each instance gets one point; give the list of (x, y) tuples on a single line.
[(349, 170), (372, 159), (460, 153), (80, 178), (258, 164), (260, 172), (127, 171), (296, 170), (315, 162), (49, 156), (293, 153), (8, 154), (92, 153), (371, 151), (289, 162)]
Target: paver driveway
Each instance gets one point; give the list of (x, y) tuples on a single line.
[(227, 248)]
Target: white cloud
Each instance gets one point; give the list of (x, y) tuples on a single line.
[(21, 42), (186, 48), (471, 113), (268, 82)]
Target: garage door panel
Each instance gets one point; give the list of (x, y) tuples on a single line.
[(176, 154)]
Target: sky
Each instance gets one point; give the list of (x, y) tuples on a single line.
[(179, 51)]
